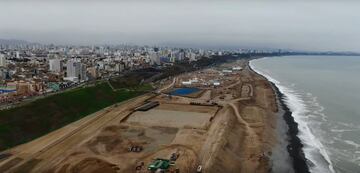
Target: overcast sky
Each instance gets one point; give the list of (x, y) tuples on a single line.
[(305, 25)]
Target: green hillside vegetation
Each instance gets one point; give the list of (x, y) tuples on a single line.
[(22, 124), (132, 80)]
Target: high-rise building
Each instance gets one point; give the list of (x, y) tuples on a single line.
[(17, 54), (76, 70), (2, 60), (192, 56), (172, 59), (71, 69), (82, 72), (155, 57), (55, 65)]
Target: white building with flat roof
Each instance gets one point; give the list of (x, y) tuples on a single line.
[(186, 82), (216, 83), (2, 60), (237, 68), (55, 65), (17, 53), (226, 71)]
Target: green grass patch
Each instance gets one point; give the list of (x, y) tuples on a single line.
[(22, 124)]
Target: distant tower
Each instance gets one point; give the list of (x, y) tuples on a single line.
[(17, 54)]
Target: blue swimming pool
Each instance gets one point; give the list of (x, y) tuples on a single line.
[(6, 91), (184, 91)]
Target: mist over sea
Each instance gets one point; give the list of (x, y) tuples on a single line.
[(323, 92)]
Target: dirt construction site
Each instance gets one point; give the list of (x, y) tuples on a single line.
[(226, 125)]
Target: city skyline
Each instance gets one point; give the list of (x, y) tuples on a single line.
[(326, 25)]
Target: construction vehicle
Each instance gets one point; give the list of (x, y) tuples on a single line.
[(139, 166), (162, 164), (199, 169), (174, 156), (135, 148)]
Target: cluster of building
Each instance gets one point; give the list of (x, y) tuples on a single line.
[(34, 69), (208, 77)]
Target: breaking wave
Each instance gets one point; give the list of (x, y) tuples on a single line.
[(315, 152)]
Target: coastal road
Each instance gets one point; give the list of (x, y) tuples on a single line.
[(169, 86)]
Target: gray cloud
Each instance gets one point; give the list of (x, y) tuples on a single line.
[(309, 25)]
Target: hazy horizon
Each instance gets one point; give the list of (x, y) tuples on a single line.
[(307, 25)]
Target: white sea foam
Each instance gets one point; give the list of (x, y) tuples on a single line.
[(315, 106), (312, 146), (352, 143), (343, 130)]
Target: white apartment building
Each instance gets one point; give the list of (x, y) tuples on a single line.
[(2, 60), (76, 70), (55, 65)]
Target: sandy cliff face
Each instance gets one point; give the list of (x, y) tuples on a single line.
[(220, 149), (243, 133)]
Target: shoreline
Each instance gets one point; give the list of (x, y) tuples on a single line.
[(294, 146)]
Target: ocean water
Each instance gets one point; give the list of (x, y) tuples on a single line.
[(323, 92)]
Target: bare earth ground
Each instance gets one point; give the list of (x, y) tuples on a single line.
[(229, 129)]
